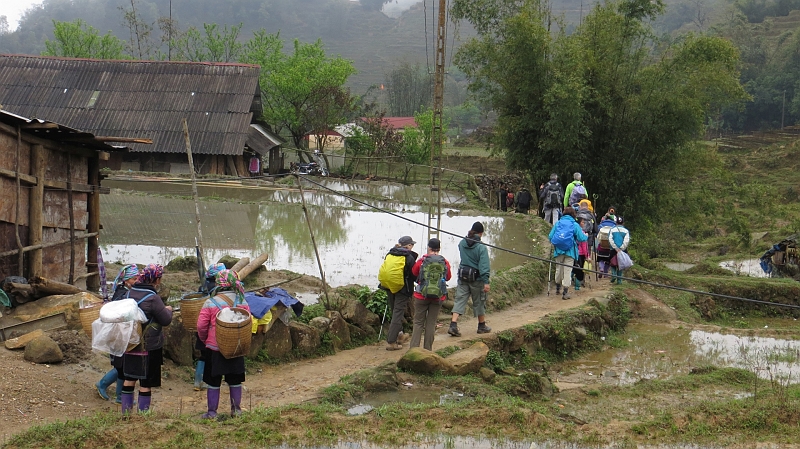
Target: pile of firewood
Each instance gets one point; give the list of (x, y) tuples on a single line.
[(36, 288)]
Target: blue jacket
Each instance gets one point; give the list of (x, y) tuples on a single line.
[(579, 237)]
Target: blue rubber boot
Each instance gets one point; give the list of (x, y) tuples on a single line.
[(118, 399), (105, 382), (198, 375)]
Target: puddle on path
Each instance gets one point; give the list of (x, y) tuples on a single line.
[(748, 267), (661, 351), (352, 243)]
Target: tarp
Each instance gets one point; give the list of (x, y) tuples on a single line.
[(261, 303)]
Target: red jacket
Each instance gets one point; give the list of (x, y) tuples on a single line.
[(418, 266)]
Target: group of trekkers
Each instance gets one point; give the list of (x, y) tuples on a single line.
[(142, 363), (519, 202), (577, 234), (404, 276)]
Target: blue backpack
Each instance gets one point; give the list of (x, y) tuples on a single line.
[(564, 235)]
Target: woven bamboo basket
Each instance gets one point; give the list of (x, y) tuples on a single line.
[(137, 329), (191, 303), (233, 339), (87, 315)]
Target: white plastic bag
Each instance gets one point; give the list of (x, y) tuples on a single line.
[(229, 315), (624, 260), (121, 311), (114, 338)]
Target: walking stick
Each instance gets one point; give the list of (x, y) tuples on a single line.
[(385, 308), (549, 269)]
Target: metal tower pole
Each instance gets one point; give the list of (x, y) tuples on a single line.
[(437, 135)]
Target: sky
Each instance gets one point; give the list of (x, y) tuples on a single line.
[(13, 9)]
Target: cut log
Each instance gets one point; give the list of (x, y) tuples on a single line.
[(252, 266), (240, 264), (22, 292), (45, 287)]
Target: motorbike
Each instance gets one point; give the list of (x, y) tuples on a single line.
[(308, 168)]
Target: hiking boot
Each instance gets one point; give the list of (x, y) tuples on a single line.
[(403, 338), (558, 289), (394, 346), (566, 294), (454, 330), (483, 328)]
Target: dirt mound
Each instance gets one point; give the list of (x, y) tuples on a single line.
[(75, 345)]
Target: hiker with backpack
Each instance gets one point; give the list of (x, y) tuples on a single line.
[(523, 200), (396, 278), (432, 272), (564, 237), (473, 280), (619, 238), (576, 191), (604, 250), (502, 195), (551, 196)]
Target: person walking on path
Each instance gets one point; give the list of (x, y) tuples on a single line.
[(619, 238), (229, 288), (523, 201), (126, 278), (565, 236), (399, 300), (573, 196), (551, 196), (428, 297), (501, 198), (143, 363), (473, 280)]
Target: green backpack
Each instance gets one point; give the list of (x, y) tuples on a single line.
[(430, 282)]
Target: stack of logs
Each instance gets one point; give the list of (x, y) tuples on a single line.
[(38, 287), (244, 267)]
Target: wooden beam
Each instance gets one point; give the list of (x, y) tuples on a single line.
[(93, 209), (38, 163), (47, 245), (124, 139), (37, 125), (23, 177), (48, 143)]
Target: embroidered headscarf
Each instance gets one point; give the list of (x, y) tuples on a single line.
[(151, 273), (229, 280), (213, 269), (127, 272)]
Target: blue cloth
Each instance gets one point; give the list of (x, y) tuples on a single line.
[(577, 232), (260, 304)]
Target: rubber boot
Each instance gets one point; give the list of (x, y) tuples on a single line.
[(127, 400), (236, 399), (212, 397), (118, 399), (105, 382), (566, 294), (454, 329), (198, 375), (144, 401), (577, 284)]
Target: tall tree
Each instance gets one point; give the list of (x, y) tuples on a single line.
[(78, 40), (409, 89), (608, 100), (294, 86), (213, 44)]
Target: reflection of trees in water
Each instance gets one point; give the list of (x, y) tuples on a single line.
[(286, 225)]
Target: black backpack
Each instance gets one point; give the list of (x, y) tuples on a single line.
[(553, 195)]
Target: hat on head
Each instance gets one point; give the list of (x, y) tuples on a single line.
[(620, 220), (406, 240), (477, 227), (434, 244)]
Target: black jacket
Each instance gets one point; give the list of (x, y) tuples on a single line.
[(155, 311), (411, 258)]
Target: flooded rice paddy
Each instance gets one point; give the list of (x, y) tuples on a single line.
[(660, 351), (352, 241)]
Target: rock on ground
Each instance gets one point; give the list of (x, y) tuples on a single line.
[(43, 350), (469, 360), (422, 361)]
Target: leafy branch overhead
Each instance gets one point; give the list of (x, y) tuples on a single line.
[(609, 100)]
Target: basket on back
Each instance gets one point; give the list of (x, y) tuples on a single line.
[(137, 329), (233, 339), (191, 303), (88, 314)]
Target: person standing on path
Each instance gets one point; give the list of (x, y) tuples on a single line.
[(565, 236), (551, 196), (126, 278), (473, 280), (143, 363), (208, 286), (426, 305), (398, 301), (576, 181), (523, 201)]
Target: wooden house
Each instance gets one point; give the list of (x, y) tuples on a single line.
[(49, 200), (221, 103)]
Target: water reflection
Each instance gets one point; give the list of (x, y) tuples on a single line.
[(352, 243), (661, 351)]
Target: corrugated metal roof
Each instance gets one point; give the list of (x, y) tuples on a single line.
[(141, 99)]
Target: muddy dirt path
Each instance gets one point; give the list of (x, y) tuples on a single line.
[(37, 394)]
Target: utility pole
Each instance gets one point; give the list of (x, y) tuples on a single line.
[(437, 135)]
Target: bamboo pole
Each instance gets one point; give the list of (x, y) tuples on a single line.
[(313, 241), (194, 187), (93, 209), (35, 209), (46, 245), (20, 261), (253, 265), (70, 203)]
